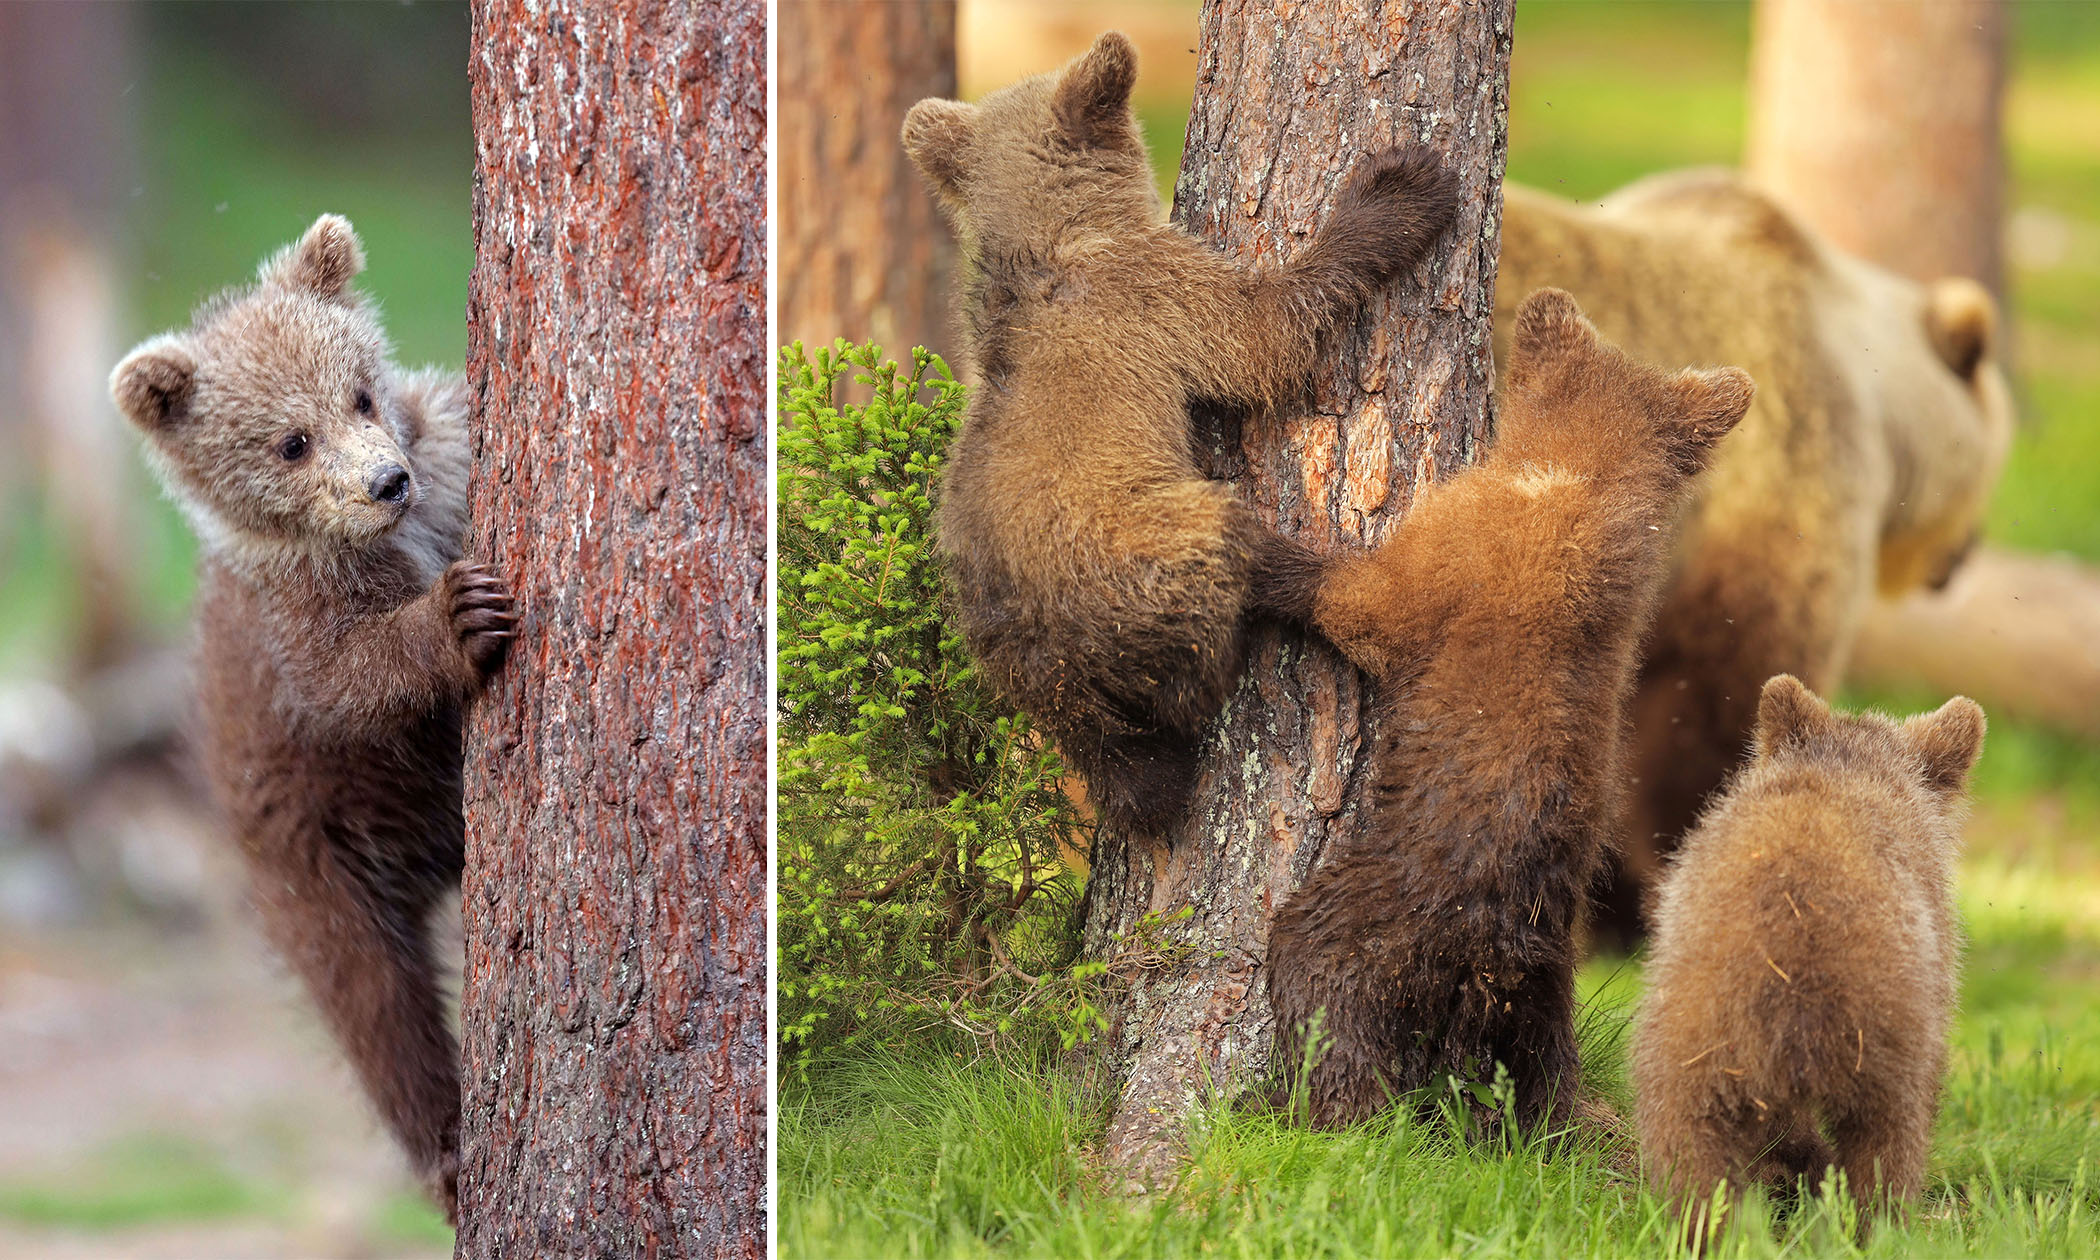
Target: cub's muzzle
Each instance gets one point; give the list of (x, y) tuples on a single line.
[(389, 484)]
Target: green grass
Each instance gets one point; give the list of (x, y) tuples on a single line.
[(917, 1151), (152, 1179), (914, 1151), (157, 1179)]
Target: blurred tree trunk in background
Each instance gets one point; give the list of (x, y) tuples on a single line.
[(1880, 122), (88, 772), (864, 251), (1282, 113), (614, 1003), (63, 158), (2019, 632)]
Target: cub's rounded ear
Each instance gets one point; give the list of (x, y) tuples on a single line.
[(1092, 100), (937, 136), (1787, 710), (1948, 740), (1962, 321), (152, 386), (322, 263), (1713, 401), (1550, 326)]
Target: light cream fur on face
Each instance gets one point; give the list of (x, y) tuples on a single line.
[(278, 419)]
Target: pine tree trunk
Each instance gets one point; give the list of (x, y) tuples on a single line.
[(1289, 95), (614, 1006), (864, 252), (1879, 121)]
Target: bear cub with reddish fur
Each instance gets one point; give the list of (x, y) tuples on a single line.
[(1805, 955), (1500, 623), (339, 638), (1100, 579)]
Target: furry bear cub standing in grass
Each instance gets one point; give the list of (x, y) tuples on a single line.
[(1100, 579), (339, 637), (1500, 622), (1805, 952)]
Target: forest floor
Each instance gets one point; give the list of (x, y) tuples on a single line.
[(935, 1149), (171, 1095)]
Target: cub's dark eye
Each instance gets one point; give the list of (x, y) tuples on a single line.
[(293, 447), (364, 402)]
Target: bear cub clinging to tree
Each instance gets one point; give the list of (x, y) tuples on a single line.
[(1500, 622), (1100, 579), (339, 638), (1805, 952)]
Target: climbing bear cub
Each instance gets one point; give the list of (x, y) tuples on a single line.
[(339, 638), (1805, 955), (1101, 581), (1500, 623)]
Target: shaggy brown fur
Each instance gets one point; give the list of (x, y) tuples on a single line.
[(1101, 581), (1880, 424), (1500, 622), (1804, 960), (339, 638)]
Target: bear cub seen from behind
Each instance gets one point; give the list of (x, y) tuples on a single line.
[(1100, 579), (1500, 623), (339, 638), (1805, 951)]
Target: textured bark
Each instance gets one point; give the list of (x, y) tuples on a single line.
[(1288, 96), (1880, 122), (614, 1004), (864, 252)]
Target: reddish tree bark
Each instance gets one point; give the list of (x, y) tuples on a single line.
[(614, 1004), (864, 252), (1289, 95)]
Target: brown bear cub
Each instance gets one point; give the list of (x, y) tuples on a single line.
[(1500, 622), (1803, 968), (339, 638), (1101, 581)]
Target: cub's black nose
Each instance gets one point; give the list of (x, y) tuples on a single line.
[(389, 484)]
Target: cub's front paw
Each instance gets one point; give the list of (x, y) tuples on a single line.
[(483, 618)]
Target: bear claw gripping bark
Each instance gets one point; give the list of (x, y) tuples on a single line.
[(339, 638), (1101, 581)]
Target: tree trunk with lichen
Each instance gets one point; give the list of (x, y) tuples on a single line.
[(864, 252), (614, 1000), (1289, 96)]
